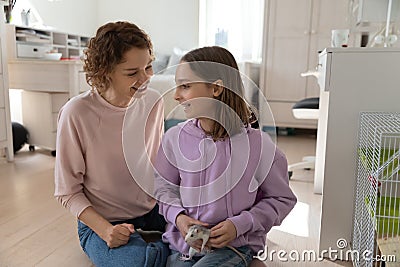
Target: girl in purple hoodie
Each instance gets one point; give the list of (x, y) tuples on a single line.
[(215, 170)]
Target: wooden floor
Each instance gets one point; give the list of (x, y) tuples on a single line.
[(36, 231)]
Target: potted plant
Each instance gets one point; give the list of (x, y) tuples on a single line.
[(8, 9)]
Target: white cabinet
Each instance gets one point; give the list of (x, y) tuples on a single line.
[(5, 121), (40, 112), (295, 30), (356, 80), (47, 84)]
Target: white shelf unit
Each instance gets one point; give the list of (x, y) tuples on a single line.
[(47, 84), (5, 119), (34, 43)]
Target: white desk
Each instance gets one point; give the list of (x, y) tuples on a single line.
[(47, 86), (352, 80), (48, 76)]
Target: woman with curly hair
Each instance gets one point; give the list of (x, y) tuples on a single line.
[(93, 178)]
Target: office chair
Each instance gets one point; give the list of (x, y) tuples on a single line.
[(307, 108)]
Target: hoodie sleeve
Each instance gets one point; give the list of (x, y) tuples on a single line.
[(274, 200), (167, 181)]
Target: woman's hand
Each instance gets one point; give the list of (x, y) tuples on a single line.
[(222, 234), (113, 235), (183, 223), (118, 235)]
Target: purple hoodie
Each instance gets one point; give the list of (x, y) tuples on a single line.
[(243, 179)]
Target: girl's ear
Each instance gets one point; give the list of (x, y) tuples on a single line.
[(218, 87)]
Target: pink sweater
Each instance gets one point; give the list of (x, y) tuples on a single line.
[(96, 158)]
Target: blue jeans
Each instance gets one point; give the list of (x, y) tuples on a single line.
[(135, 253), (218, 257)]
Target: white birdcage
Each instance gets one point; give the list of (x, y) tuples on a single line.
[(376, 234)]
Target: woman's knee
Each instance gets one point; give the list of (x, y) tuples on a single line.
[(131, 254)]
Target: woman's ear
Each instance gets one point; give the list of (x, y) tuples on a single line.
[(218, 87)]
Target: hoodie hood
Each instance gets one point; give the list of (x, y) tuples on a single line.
[(193, 128)]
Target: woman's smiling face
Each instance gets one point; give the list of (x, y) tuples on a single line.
[(133, 73)]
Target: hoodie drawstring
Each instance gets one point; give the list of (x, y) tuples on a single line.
[(228, 178)]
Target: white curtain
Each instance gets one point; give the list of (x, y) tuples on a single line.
[(235, 24)]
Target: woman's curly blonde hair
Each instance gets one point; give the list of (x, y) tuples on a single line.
[(107, 48)]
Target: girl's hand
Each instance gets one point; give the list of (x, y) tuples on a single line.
[(222, 234), (118, 235), (183, 223)]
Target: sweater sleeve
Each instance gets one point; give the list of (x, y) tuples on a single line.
[(274, 200), (69, 165), (167, 182)]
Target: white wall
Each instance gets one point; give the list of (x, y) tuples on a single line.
[(72, 16), (168, 22)]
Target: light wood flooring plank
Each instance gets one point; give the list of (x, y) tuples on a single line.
[(39, 245), (23, 203), (26, 224), (67, 254)]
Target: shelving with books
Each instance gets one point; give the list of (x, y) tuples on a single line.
[(73, 44), (84, 42), (33, 36), (59, 43), (28, 43)]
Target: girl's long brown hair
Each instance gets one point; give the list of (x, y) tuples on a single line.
[(231, 117)]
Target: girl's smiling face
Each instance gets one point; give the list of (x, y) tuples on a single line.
[(195, 95)]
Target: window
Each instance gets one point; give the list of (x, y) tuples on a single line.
[(234, 24)]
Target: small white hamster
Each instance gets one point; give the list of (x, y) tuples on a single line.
[(194, 233), (197, 232)]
